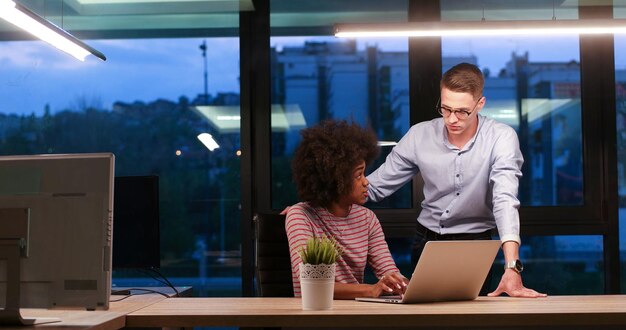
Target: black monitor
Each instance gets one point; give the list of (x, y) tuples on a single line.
[(136, 239)]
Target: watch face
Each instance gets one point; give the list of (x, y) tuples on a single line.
[(516, 265)]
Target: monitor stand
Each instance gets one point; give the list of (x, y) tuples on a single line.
[(13, 246), (14, 317)]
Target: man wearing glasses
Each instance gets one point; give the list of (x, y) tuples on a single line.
[(471, 167)]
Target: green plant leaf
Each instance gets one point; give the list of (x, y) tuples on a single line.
[(321, 250)]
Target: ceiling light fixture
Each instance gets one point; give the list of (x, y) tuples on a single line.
[(482, 28), (43, 29)]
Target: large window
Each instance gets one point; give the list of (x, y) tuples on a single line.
[(537, 92), (173, 73), (147, 104), (534, 88), (317, 77), (533, 84)]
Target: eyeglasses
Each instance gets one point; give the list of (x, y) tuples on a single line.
[(460, 114)]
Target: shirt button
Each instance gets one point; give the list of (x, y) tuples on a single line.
[(457, 194), (447, 211), (457, 175)]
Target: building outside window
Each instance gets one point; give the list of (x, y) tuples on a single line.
[(316, 76)]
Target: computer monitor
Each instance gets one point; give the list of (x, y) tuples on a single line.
[(68, 198), (136, 230)]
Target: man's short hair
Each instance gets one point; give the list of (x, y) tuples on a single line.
[(464, 78)]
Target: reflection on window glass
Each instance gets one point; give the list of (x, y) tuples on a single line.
[(317, 78), (533, 85), (400, 248), (552, 264), (561, 264), (503, 10), (288, 16), (147, 104)]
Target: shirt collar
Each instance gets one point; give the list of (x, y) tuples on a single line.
[(470, 143)]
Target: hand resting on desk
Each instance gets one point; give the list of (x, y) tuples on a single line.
[(511, 284)]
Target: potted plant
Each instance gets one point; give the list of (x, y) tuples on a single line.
[(317, 272)]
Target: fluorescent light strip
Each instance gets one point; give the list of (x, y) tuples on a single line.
[(43, 29), (482, 28)]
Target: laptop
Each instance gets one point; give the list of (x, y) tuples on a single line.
[(447, 271)]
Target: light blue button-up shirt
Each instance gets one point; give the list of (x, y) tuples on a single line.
[(469, 190)]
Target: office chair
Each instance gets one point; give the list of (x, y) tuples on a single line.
[(272, 259)]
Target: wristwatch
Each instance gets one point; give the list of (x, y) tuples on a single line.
[(516, 265)]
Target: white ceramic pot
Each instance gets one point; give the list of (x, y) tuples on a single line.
[(317, 284)]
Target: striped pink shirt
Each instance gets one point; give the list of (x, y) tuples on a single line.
[(359, 234)]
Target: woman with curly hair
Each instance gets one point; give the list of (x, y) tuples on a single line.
[(329, 172)]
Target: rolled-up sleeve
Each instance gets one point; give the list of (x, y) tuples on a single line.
[(504, 180)]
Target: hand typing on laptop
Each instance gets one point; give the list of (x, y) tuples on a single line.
[(392, 283)]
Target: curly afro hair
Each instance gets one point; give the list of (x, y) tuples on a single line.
[(323, 162)]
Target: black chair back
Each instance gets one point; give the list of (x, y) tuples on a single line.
[(272, 259)]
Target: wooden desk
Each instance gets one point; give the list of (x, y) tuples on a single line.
[(114, 318), (554, 311)]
